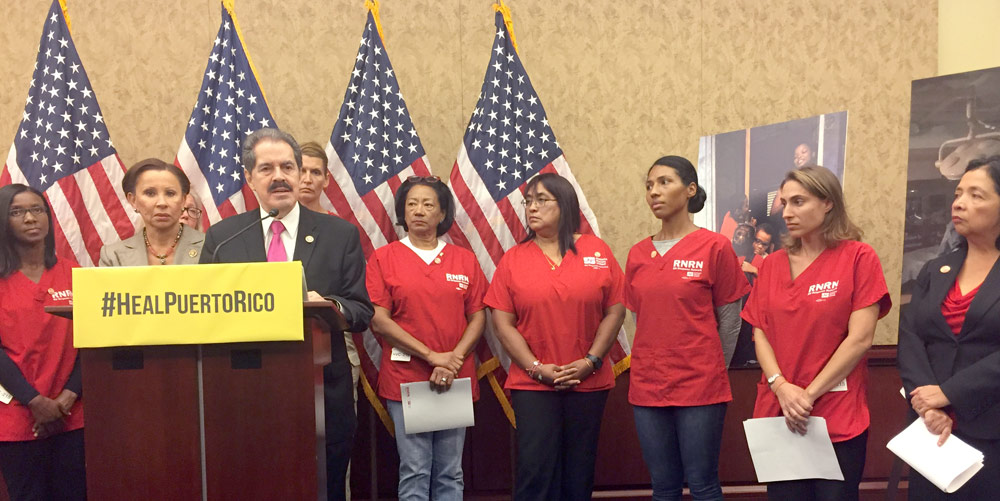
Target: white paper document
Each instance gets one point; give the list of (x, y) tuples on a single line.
[(424, 409), (781, 454), (948, 467)]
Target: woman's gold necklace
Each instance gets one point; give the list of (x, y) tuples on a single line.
[(162, 257)]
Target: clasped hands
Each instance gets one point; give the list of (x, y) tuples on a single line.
[(446, 366), (796, 404), (49, 412), (564, 377), (928, 401)]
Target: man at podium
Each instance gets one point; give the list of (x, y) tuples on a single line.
[(330, 251)]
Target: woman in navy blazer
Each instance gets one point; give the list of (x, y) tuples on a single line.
[(949, 343)]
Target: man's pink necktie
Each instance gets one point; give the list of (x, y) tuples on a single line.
[(276, 250)]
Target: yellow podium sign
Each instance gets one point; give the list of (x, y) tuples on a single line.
[(187, 304)]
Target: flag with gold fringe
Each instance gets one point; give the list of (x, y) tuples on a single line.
[(507, 141)]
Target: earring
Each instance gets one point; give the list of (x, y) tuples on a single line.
[(135, 210)]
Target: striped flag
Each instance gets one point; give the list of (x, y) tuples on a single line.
[(373, 148), (230, 105), (508, 140), (63, 149)]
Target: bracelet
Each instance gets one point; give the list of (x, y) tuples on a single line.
[(774, 389), (534, 370)]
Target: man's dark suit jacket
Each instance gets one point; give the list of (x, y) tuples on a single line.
[(334, 267), (967, 366)]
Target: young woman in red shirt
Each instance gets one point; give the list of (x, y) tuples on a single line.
[(814, 308), (41, 414), (684, 285)]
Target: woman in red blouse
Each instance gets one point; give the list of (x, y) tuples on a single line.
[(41, 415), (557, 306)]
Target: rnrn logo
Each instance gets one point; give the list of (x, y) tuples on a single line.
[(454, 277), (689, 268), (596, 261), (461, 280), (688, 265), (61, 295), (825, 289)]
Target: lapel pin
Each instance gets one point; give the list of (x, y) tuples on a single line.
[(653, 254), (945, 269), (597, 254), (437, 261), (309, 239), (193, 253)]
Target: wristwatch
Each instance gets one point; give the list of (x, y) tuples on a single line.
[(774, 377), (595, 360)]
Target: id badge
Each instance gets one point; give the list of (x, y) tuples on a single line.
[(399, 355), (5, 396), (841, 386)]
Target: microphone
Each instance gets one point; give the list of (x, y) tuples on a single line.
[(215, 253)]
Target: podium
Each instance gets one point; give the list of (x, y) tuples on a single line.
[(214, 421)]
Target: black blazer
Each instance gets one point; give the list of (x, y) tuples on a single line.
[(967, 366), (328, 247)]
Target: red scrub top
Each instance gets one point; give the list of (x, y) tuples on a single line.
[(805, 320), (558, 310), (677, 354), (41, 345), (429, 301)]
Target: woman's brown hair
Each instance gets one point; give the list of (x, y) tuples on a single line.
[(821, 183)]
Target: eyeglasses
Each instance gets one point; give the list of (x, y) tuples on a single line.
[(193, 212), (429, 179), (541, 201), (37, 210), (761, 242)]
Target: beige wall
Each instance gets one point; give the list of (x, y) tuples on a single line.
[(968, 38), (623, 82)]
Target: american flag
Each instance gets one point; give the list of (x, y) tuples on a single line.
[(374, 146), (230, 105), (63, 149), (508, 140)]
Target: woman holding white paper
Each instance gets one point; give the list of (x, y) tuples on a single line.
[(428, 298), (41, 414), (949, 341), (814, 309)]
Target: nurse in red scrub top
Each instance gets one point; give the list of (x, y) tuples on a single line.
[(41, 413), (557, 307), (429, 314), (684, 285), (814, 308)]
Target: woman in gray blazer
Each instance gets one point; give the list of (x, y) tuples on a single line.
[(156, 191), (949, 343)]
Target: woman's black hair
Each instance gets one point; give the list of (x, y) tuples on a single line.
[(10, 260), (688, 175), (992, 166), (569, 208), (132, 174), (445, 201)]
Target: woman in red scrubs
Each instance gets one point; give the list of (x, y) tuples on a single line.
[(41, 414), (557, 307), (685, 285), (814, 308), (428, 298), (949, 343)]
